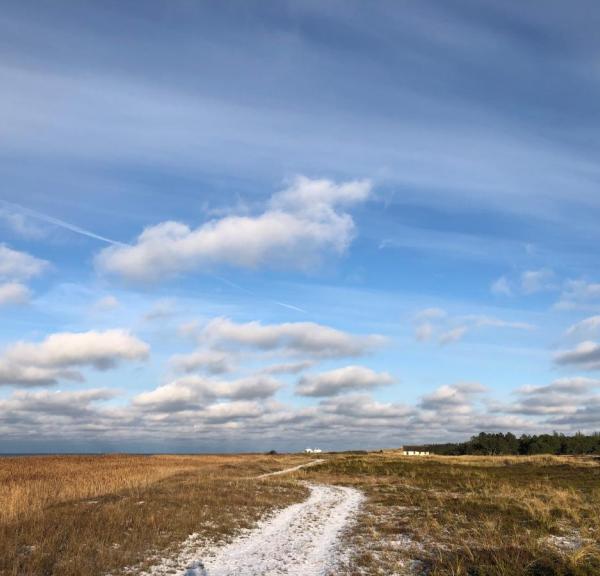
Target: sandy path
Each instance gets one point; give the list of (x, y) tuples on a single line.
[(300, 540), (290, 470)]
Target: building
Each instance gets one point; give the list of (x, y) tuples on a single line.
[(312, 450), (413, 452)]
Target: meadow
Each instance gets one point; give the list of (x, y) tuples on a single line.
[(438, 516), (87, 515), (472, 515)]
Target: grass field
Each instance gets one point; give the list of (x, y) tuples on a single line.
[(87, 515), (470, 516)]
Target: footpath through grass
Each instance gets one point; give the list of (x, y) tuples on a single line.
[(94, 515)]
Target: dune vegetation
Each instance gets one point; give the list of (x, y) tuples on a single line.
[(87, 515), (472, 515), (435, 515)]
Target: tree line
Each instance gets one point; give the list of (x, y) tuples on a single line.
[(492, 444)]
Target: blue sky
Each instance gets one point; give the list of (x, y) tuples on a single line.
[(230, 226)]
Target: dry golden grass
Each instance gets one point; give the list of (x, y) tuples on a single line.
[(473, 516), (87, 515), (436, 516)]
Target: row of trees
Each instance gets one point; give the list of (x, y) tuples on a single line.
[(505, 444)]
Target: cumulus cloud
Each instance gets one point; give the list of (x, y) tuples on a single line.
[(570, 385), (585, 355), (196, 392), (342, 380), (562, 397), (298, 226), (363, 406), (14, 293), (74, 404), (306, 338), (587, 326), (454, 398), (211, 361), (58, 356), (17, 265)]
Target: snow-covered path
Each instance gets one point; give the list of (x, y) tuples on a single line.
[(290, 470), (300, 540)]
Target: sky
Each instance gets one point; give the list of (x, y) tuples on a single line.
[(244, 226)]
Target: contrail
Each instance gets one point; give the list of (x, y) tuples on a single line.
[(83, 232), (279, 303), (58, 222)]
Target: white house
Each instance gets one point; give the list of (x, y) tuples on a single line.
[(312, 450), (413, 452)]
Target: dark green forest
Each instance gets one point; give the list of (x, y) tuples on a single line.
[(491, 444)]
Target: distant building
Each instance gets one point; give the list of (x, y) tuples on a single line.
[(413, 452), (312, 450)]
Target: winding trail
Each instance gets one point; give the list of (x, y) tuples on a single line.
[(290, 470), (300, 540)]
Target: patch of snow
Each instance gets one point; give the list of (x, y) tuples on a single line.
[(290, 470), (568, 543), (300, 540)]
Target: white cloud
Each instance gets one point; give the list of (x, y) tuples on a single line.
[(211, 361), (578, 294), (17, 265), (454, 328), (482, 321), (561, 397), (362, 406), (533, 281), (74, 404), (569, 385), (12, 293), (424, 332), (21, 224), (456, 398), (585, 355), (56, 357), (453, 335), (342, 380), (587, 326), (195, 392), (293, 337), (299, 225), (161, 309), (501, 286)]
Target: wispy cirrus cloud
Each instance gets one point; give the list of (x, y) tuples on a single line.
[(448, 329)]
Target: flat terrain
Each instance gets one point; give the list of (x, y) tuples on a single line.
[(350, 515), (472, 516)]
